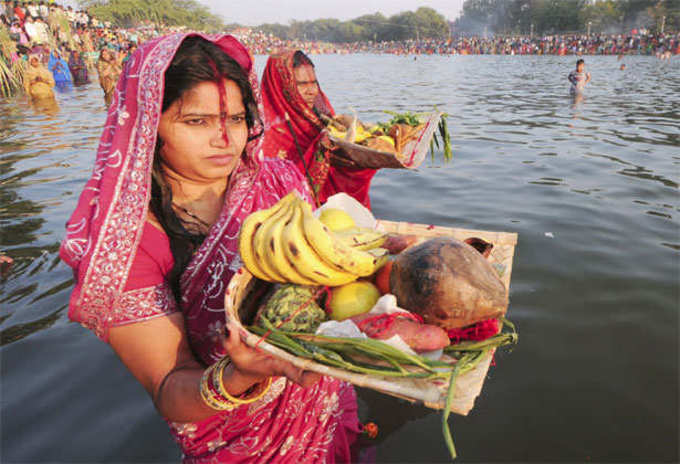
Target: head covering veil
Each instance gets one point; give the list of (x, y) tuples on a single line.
[(295, 132), (103, 234)]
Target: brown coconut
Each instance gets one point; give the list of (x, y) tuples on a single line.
[(447, 282)]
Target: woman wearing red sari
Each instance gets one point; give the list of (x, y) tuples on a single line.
[(153, 244), (293, 105)]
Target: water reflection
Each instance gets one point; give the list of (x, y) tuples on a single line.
[(16, 332), (606, 188), (45, 106)]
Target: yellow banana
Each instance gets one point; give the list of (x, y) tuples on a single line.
[(274, 243), (361, 134), (261, 247), (382, 256), (302, 256), (336, 133), (387, 139), (361, 238), (245, 241), (332, 250)]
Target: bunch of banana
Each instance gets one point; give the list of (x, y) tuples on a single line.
[(352, 135), (370, 136), (286, 243)]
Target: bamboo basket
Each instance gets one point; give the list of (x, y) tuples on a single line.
[(431, 393), (412, 156)]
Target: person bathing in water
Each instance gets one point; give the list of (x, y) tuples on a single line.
[(578, 78)]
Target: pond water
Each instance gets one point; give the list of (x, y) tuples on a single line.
[(590, 187)]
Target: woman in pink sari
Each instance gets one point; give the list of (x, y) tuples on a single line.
[(293, 107), (153, 244)]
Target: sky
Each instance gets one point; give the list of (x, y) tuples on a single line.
[(256, 12)]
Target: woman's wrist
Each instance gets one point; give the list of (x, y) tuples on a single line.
[(236, 382), (223, 388)]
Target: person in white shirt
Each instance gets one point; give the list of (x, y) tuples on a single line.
[(44, 10), (31, 31), (43, 31), (32, 9), (71, 15), (578, 78)]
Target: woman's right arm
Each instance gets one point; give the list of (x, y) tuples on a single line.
[(157, 353)]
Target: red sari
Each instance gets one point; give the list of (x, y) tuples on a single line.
[(303, 139), (121, 263)]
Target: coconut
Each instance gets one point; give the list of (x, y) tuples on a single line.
[(448, 283)]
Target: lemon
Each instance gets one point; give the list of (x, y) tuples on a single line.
[(336, 219), (353, 299)]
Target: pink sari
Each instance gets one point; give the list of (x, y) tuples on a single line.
[(120, 262)]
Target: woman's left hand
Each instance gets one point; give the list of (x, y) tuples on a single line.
[(252, 365)]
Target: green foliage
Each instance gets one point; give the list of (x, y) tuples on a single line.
[(562, 16), (422, 23), (277, 30), (11, 74), (129, 13)]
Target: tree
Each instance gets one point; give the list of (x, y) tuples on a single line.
[(424, 22), (277, 30), (603, 15), (127, 13), (375, 26), (431, 24)]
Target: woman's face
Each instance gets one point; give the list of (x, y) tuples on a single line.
[(194, 147), (305, 78)]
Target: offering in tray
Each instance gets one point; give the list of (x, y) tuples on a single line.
[(300, 263), (400, 142)]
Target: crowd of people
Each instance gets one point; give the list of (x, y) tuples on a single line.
[(70, 44), (61, 46), (635, 42)]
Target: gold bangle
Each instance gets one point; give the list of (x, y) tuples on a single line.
[(267, 383), (218, 383), (211, 398), (265, 389)]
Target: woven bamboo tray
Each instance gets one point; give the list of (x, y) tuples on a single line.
[(431, 393), (411, 157)]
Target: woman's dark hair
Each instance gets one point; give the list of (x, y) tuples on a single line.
[(578, 62), (300, 59), (197, 60)]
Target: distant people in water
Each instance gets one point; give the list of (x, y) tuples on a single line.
[(109, 70), (78, 68), (38, 80), (59, 69), (623, 67), (578, 78)]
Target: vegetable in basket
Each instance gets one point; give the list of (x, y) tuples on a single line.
[(390, 136), (293, 308)]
